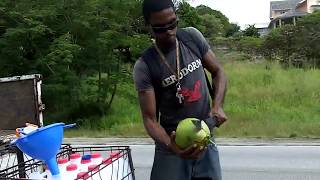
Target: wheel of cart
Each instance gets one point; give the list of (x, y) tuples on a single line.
[(117, 164)]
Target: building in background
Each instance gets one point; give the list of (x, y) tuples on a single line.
[(263, 29), (287, 12)]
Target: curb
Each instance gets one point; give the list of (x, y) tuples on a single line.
[(219, 141)]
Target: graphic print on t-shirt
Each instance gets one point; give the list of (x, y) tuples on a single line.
[(192, 95), (191, 67)]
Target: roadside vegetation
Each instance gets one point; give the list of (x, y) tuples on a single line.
[(86, 49), (263, 100)]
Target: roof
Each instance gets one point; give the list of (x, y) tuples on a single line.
[(283, 5), (300, 3), (261, 25), (291, 13)]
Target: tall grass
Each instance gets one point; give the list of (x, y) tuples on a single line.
[(263, 100)]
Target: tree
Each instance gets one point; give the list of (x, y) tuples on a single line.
[(188, 16), (232, 29), (211, 26), (221, 21), (250, 45), (202, 9), (252, 31), (296, 45), (308, 38), (210, 22), (77, 46), (281, 42)]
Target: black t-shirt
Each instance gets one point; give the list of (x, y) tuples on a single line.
[(193, 84)]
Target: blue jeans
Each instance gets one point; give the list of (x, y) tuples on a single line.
[(168, 166)]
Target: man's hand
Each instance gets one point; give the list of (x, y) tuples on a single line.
[(192, 152), (219, 114)]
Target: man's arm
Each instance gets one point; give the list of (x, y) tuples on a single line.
[(148, 109), (146, 94), (210, 62), (147, 101), (156, 131), (219, 84)]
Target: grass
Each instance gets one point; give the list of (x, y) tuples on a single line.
[(263, 100), (123, 120), (125, 130)]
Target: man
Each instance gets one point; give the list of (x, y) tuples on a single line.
[(170, 81)]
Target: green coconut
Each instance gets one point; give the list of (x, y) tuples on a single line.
[(192, 131)]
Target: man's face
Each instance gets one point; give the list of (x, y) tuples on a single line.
[(164, 26)]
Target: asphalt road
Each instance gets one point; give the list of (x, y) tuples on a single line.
[(250, 162), (241, 159)]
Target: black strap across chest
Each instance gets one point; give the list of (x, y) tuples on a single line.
[(153, 64)]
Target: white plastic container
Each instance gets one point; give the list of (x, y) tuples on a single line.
[(37, 175), (75, 159), (71, 172), (20, 132), (62, 164), (85, 163), (117, 162), (121, 166), (96, 158), (83, 175), (55, 177), (94, 172), (126, 167), (106, 169)]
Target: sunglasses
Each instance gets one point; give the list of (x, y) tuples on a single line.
[(165, 28)]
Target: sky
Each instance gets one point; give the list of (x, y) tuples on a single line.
[(242, 12)]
